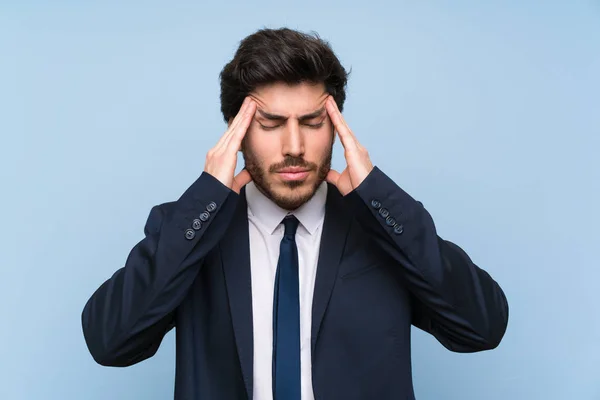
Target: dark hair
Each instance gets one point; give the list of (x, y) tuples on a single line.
[(280, 55)]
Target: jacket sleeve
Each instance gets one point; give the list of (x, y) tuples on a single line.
[(453, 299), (126, 318)]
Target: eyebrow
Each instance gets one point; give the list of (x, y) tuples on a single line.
[(302, 118)]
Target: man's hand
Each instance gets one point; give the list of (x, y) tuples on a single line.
[(221, 160), (357, 158)]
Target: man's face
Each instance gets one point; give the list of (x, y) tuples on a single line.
[(288, 146)]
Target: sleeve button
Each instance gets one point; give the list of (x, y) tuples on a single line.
[(390, 221), (204, 216), (190, 234), (384, 212), (212, 206), (375, 204), (197, 224), (398, 229)]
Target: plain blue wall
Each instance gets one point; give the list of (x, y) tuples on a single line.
[(487, 112)]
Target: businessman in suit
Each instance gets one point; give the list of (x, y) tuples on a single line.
[(289, 280)]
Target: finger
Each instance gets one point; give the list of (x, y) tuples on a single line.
[(345, 134), (233, 124), (242, 179), (337, 111), (235, 140), (345, 124)]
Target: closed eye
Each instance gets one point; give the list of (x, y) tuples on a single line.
[(271, 128)]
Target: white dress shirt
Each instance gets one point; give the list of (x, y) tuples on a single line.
[(266, 232)]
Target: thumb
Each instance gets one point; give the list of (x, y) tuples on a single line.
[(333, 176), (241, 179)]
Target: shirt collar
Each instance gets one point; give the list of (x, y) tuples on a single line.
[(310, 214)]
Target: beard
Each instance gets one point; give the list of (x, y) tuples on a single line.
[(288, 201)]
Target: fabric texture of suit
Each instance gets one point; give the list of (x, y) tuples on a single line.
[(382, 268)]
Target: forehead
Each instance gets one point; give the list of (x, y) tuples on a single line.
[(290, 100)]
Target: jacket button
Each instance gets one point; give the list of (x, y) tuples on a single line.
[(197, 224), (398, 229), (384, 212), (204, 216), (390, 221), (190, 234), (212, 206), (375, 204)]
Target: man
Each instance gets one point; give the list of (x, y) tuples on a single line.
[(290, 280)]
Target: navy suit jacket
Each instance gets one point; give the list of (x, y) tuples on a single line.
[(382, 268)]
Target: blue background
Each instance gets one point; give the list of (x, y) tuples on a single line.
[(487, 112)]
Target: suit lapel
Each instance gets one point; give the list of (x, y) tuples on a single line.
[(333, 239), (235, 253)]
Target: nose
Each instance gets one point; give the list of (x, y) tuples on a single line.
[(292, 141)]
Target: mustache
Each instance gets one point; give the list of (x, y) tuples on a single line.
[(291, 161)]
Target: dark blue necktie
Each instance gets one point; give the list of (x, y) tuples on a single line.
[(286, 318)]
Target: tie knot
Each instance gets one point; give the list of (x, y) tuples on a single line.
[(290, 223)]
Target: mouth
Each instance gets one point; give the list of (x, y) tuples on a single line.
[(293, 174)]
